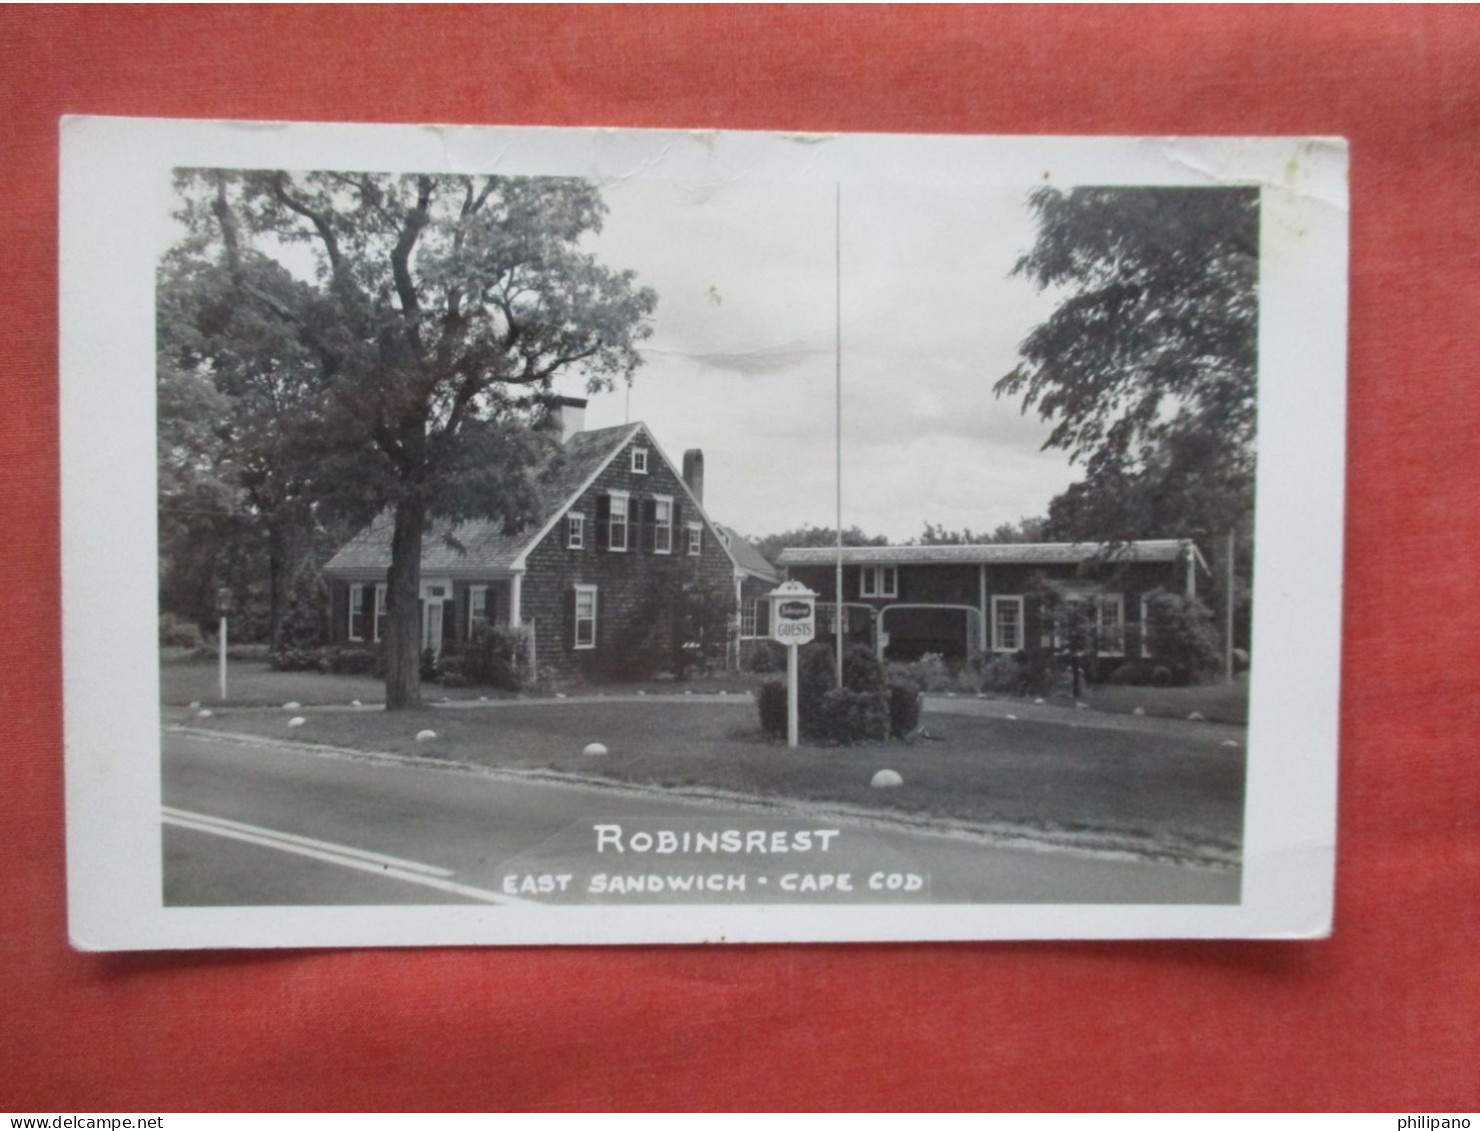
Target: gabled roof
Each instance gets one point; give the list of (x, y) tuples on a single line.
[(747, 557), (995, 553), (480, 546)]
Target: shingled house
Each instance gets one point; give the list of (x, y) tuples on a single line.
[(905, 601), (621, 530)]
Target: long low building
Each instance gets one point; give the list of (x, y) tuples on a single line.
[(905, 601)]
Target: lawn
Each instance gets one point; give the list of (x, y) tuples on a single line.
[(1219, 701), (251, 683), (1160, 794)]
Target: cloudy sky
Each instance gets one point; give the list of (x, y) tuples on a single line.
[(742, 361)]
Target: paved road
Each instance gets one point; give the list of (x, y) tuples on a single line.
[(248, 823)]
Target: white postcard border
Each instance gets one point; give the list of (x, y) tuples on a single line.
[(115, 176)]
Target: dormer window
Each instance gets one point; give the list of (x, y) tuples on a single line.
[(640, 461)]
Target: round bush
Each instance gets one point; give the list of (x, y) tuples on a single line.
[(772, 703)]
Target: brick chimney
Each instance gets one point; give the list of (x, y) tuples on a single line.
[(570, 414), (693, 473)]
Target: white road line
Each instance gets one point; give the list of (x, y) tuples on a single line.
[(374, 863), (309, 842)]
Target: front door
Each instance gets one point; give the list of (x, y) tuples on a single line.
[(431, 626)]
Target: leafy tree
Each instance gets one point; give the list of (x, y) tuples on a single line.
[(235, 475), (1024, 530), (1147, 368), (417, 323), (772, 544), (679, 622)]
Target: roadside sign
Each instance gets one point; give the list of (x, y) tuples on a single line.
[(793, 614), (793, 623)]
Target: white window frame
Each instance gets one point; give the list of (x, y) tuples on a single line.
[(575, 531), (1115, 633), (380, 613), (662, 524), (475, 592), (622, 498), (590, 618), (639, 461), (357, 611), (1000, 602), (696, 539), (871, 582)]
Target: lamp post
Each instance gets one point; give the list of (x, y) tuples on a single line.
[(223, 607)]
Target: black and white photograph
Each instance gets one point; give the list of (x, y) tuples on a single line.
[(602, 536)]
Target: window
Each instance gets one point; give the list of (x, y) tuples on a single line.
[(585, 635), (575, 531), (755, 618), (879, 581), (663, 525), (1110, 624), (640, 460), (357, 618), (1145, 628), (477, 607), (1007, 624), (617, 522), (696, 539), (366, 612)]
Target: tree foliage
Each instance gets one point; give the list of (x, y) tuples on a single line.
[(772, 544), (1024, 530), (1147, 367), (404, 332)]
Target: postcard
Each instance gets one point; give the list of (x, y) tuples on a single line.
[(482, 535)]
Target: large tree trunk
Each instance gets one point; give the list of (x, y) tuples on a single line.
[(403, 610)]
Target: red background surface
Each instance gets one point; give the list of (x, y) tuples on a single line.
[(1381, 1016)]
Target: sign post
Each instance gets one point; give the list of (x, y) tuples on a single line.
[(223, 606), (793, 623)]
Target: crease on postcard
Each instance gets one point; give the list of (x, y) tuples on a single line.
[(1315, 169)]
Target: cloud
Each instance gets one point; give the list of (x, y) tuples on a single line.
[(742, 360)]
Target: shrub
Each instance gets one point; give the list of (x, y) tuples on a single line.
[(859, 712), (1132, 673), (1031, 672), (846, 717), (772, 702), (303, 622), (905, 704), (765, 656), (930, 672), (497, 656), (342, 660), (176, 632), (350, 660), (452, 669), (1039, 671), (1001, 675), (294, 660), (1182, 637)]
